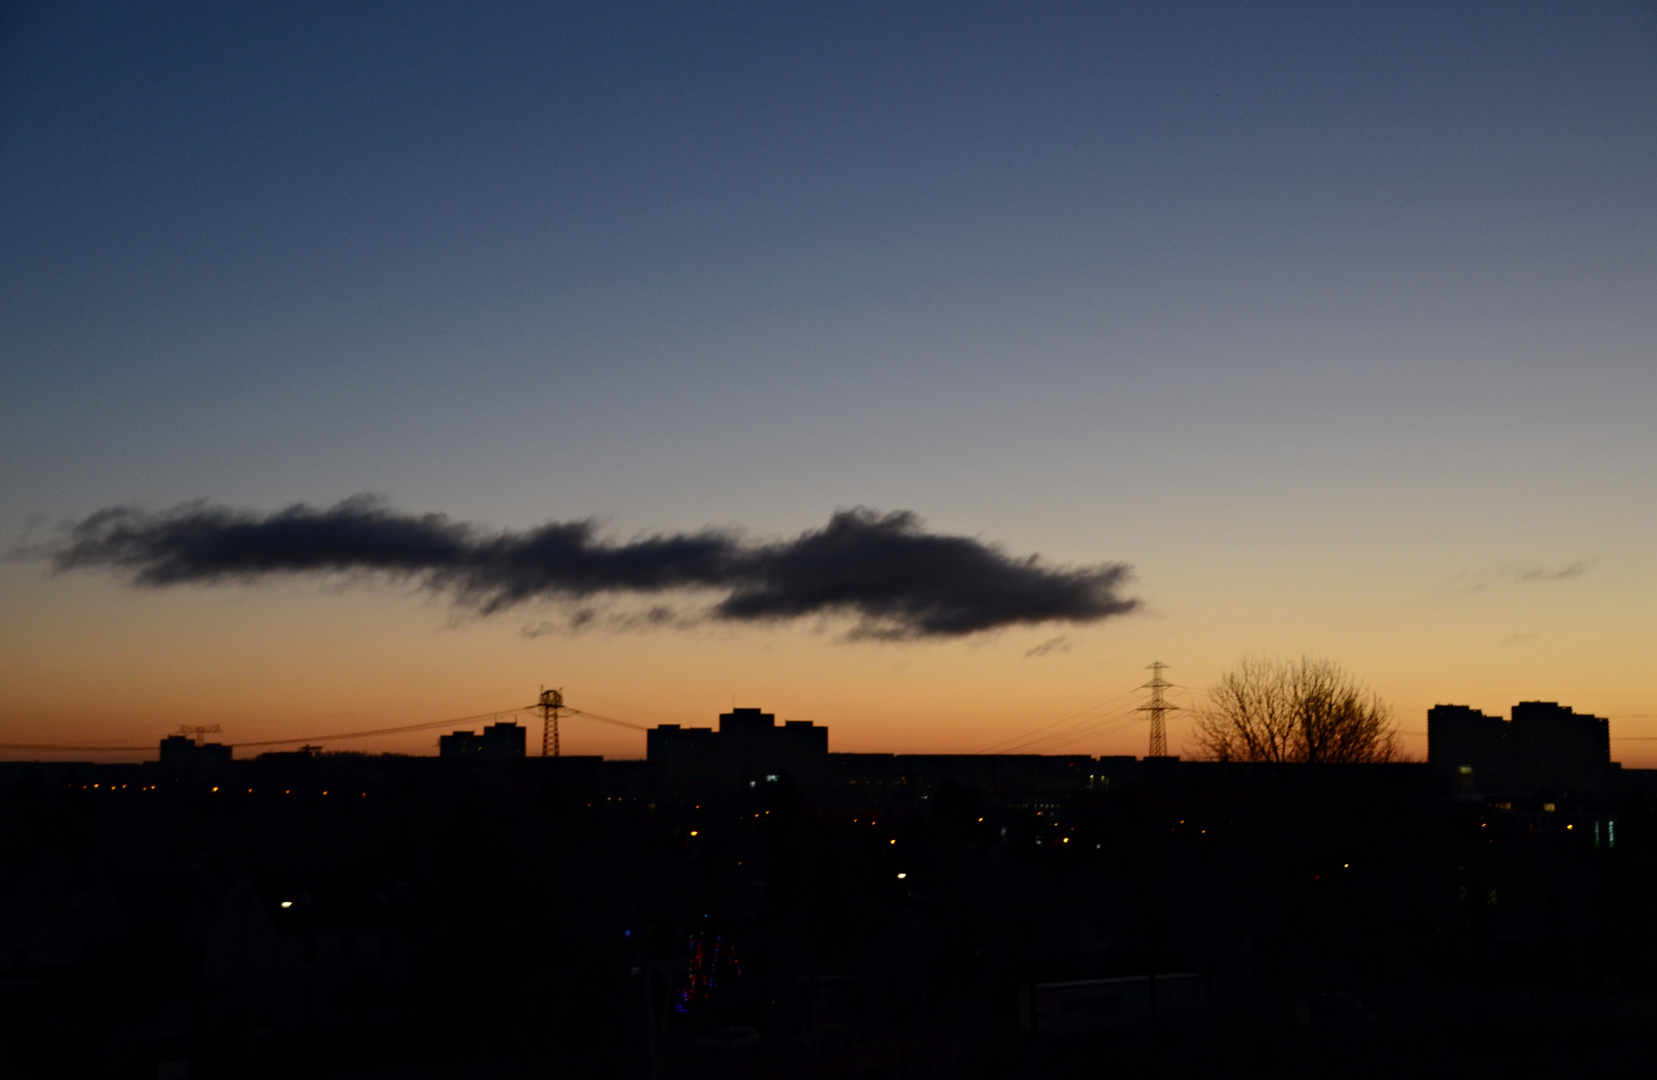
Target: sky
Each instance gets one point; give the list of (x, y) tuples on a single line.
[(1337, 327)]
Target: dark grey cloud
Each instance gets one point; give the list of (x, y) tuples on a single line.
[(885, 572)]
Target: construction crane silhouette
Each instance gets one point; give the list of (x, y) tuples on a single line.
[(199, 734)]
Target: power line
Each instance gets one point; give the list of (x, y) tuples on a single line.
[(1061, 733), (406, 728), (403, 729), (1066, 734), (1060, 747), (428, 726), (1025, 735), (1049, 745), (606, 719), (56, 746)]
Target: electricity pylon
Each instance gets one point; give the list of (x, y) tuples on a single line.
[(1158, 707), (551, 702)]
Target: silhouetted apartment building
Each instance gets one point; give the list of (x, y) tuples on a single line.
[(749, 745), (497, 741), (747, 741), (1544, 746), (183, 750)]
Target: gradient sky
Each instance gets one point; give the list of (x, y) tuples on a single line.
[(1340, 327)]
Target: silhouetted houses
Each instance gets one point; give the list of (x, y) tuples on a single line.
[(303, 954), (498, 741), (48, 921), (402, 915), (1084, 1006), (183, 750), (300, 758), (1545, 747)]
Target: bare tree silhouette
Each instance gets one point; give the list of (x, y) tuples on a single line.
[(1307, 710)]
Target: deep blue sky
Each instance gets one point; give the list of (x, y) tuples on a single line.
[(1269, 300)]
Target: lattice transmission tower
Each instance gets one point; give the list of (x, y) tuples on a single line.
[(1158, 707), (551, 702)]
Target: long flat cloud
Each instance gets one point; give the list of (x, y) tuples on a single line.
[(885, 572)]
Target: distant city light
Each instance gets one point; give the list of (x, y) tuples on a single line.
[(902, 876), (693, 832), (287, 903)]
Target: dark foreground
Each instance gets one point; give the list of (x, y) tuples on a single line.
[(365, 917)]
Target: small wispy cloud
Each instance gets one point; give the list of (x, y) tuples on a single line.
[(1562, 573), (1515, 639), (1060, 644), (590, 618), (1473, 580)]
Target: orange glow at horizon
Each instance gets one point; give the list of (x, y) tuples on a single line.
[(293, 663)]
